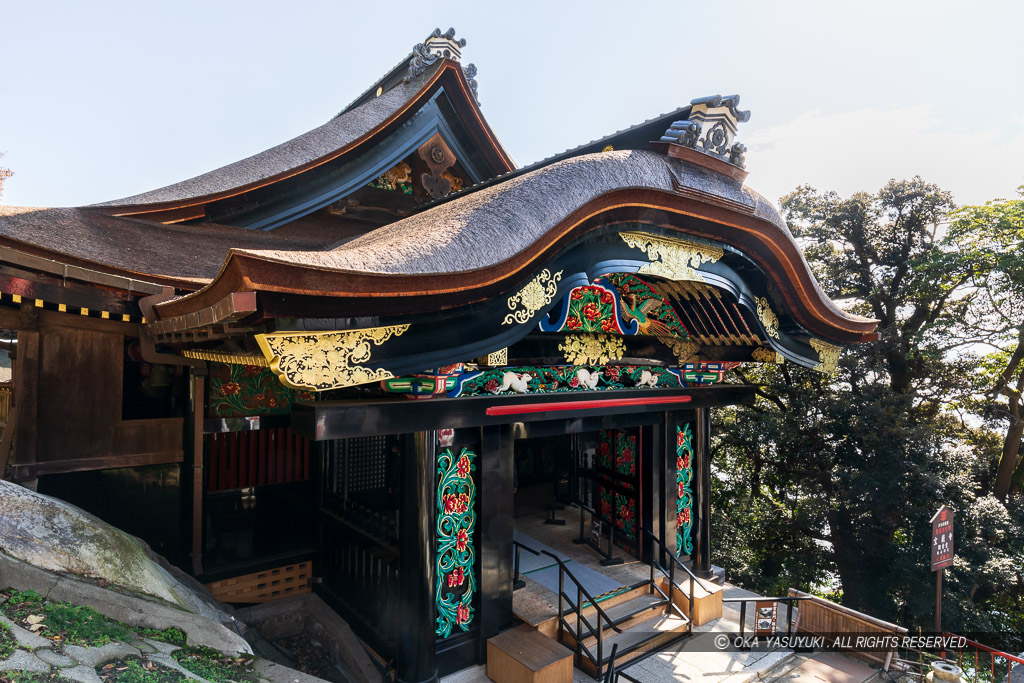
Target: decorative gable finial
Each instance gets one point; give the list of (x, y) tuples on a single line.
[(444, 44), (711, 128), (441, 46)]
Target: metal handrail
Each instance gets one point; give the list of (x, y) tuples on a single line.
[(577, 609), (789, 600), (516, 583), (677, 561)]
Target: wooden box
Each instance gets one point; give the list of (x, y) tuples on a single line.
[(523, 655)]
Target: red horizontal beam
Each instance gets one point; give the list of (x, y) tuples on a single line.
[(520, 408)]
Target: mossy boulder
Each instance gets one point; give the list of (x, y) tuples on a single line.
[(53, 535)]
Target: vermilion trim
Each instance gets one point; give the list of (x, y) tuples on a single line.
[(523, 408)]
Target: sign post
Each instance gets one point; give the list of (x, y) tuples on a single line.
[(942, 555)]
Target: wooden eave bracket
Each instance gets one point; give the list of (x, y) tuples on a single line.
[(230, 309)]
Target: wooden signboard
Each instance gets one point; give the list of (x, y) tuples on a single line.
[(942, 539), (766, 615)]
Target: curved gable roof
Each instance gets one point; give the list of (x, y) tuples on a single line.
[(355, 128)]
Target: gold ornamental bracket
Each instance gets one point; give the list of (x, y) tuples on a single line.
[(828, 355), (494, 359), (319, 361), (673, 259), (592, 349), (762, 354), (685, 350), (537, 294), (767, 317)]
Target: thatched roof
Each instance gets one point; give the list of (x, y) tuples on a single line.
[(341, 130)]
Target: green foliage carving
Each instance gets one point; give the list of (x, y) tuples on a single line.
[(456, 523)]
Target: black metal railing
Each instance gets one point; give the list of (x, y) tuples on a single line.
[(670, 574), (612, 674), (788, 601), (609, 558), (518, 583), (567, 606)]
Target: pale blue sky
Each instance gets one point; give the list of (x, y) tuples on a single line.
[(103, 99)]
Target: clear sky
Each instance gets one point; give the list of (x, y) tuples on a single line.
[(103, 99)]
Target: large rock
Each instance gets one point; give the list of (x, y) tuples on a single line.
[(53, 535)]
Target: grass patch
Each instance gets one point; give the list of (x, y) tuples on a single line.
[(215, 666), (63, 622), (134, 670), (174, 636), (8, 643), (30, 677)]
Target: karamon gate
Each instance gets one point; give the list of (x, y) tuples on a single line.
[(346, 360)]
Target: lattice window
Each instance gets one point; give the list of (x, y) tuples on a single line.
[(360, 464)]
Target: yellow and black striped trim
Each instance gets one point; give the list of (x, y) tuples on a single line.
[(17, 300)]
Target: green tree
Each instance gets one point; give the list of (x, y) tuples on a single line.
[(4, 174), (831, 480), (991, 238)]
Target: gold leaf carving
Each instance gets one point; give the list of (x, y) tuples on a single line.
[(592, 349), (671, 258), (828, 355), (537, 294), (326, 360), (227, 358), (767, 317), (763, 354), (683, 349), (496, 359)]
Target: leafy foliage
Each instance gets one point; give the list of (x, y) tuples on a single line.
[(7, 641), (828, 483), (215, 666), (5, 173), (63, 622)]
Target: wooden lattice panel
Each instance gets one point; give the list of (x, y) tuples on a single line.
[(264, 586), (365, 466)]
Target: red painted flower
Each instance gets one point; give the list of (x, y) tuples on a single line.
[(591, 311), (230, 388), (462, 503), (462, 467), (608, 325), (606, 297), (680, 439), (684, 517), (685, 461), (456, 577), (577, 294), (573, 323), (252, 370), (272, 403), (606, 508), (627, 455), (574, 382), (462, 614), (603, 448), (450, 504), (491, 385), (612, 373), (681, 491), (461, 540)]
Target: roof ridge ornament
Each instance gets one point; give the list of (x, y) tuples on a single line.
[(441, 46), (711, 128), (437, 46)]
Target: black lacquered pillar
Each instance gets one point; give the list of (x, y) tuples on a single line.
[(702, 447), (495, 530), (416, 658)]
